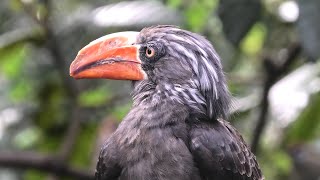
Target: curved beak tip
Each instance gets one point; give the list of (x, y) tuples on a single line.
[(72, 74), (73, 69), (111, 57)]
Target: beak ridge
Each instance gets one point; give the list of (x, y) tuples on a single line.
[(114, 56)]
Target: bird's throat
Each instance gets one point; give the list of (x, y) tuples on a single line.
[(167, 101)]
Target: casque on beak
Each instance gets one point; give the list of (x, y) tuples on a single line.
[(114, 56)]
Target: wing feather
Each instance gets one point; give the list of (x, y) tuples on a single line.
[(221, 153)]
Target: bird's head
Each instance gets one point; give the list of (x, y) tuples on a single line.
[(181, 62)]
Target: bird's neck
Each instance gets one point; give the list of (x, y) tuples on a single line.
[(163, 103)]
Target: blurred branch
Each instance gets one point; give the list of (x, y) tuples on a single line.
[(244, 104), (70, 87), (273, 73), (53, 45), (29, 8), (23, 160), (71, 135), (20, 35)]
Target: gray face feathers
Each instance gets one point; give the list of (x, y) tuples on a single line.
[(186, 67)]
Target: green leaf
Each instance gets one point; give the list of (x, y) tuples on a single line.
[(121, 111), (86, 141), (275, 163), (50, 144), (16, 5), (26, 138), (52, 104), (198, 13), (21, 91), (282, 161), (253, 42), (11, 60), (174, 3), (307, 126), (94, 97), (34, 175)]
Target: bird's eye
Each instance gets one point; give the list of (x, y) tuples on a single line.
[(150, 52)]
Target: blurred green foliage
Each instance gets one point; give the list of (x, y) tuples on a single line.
[(95, 97), (244, 32), (307, 125), (253, 42)]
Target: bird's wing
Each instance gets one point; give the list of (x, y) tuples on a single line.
[(107, 166), (221, 153)]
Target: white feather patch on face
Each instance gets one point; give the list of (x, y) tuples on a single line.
[(181, 49), (211, 69), (207, 80)]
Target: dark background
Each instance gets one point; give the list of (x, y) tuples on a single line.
[(52, 126)]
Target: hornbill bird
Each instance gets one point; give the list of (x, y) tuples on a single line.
[(176, 128)]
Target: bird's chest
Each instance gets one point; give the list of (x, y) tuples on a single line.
[(140, 143), (155, 154), (152, 143)]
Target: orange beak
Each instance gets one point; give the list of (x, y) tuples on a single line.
[(114, 56)]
